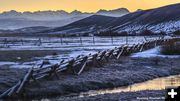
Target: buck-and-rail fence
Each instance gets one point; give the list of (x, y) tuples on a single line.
[(79, 64)]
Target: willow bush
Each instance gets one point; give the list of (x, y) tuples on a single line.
[(172, 49)]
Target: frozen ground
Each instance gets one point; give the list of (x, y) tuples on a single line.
[(65, 48), (123, 72)]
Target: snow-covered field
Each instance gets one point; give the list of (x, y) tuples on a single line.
[(69, 47)]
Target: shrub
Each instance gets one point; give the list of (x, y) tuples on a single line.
[(161, 33), (146, 33), (177, 32), (172, 49), (124, 33), (107, 33)]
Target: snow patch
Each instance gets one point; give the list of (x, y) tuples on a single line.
[(155, 52)]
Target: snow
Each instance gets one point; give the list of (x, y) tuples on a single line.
[(70, 48), (7, 63), (155, 52), (149, 53), (72, 43), (167, 27)]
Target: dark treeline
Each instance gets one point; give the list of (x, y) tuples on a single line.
[(177, 32), (142, 33), (102, 33)]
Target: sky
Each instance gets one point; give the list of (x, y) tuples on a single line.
[(81, 5)]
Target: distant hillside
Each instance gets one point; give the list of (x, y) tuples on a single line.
[(31, 29), (16, 23), (85, 25), (161, 19)]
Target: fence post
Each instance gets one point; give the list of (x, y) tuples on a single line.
[(111, 39), (126, 40), (22, 41), (5, 42), (80, 39), (93, 39), (61, 40)]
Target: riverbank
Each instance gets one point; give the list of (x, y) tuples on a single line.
[(147, 95)]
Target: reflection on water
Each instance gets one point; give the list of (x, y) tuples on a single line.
[(156, 84)]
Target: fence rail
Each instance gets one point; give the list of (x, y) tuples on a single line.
[(79, 64)]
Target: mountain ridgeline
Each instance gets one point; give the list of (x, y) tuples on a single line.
[(163, 19), (14, 20)]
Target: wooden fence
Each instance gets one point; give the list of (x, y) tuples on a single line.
[(79, 64)]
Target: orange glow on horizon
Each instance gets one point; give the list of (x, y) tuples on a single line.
[(81, 5)]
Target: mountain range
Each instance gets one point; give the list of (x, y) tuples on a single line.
[(14, 20), (163, 19)]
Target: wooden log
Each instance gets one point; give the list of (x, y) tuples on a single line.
[(95, 62), (144, 47), (63, 68), (113, 54), (41, 65), (43, 72), (84, 65), (141, 49), (122, 50), (78, 56), (116, 52), (126, 51), (134, 48), (53, 71), (13, 89), (25, 80), (61, 62), (69, 67), (155, 43), (89, 62), (81, 70), (77, 63), (5, 94), (108, 54), (41, 69), (130, 50), (41, 76), (100, 57)]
